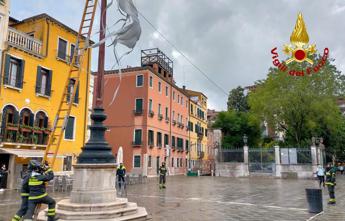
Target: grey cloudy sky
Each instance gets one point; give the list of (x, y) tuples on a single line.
[(230, 40)]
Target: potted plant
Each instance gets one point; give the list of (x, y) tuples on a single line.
[(10, 126)]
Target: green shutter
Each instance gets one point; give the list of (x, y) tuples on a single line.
[(20, 74), (69, 128), (76, 98), (7, 69), (139, 105), (38, 79), (16, 117), (45, 122), (49, 83), (137, 138), (31, 120)]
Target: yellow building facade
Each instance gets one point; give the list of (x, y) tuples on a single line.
[(197, 125), (34, 70)]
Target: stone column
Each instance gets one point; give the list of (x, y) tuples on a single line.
[(313, 150), (11, 175), (245, 154), (277, 161)]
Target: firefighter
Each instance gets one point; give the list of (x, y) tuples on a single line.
[(330, 183), (37, 190), (162, 175), (24, 194), (121, 173)]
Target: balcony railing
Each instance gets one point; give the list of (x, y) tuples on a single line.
[(138, 112), (24, 42), (23, 134)]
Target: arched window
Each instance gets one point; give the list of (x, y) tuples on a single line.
[(26, 117), (9, 123), (9, 115), (41, 120)]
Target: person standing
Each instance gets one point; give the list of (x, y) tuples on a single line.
[(330, 183), (121, 173), (341, 168), (37, 190), (3, 177), (321, 175), (162, 175), (24, 194)]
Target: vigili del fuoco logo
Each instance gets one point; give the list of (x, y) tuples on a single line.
[(299, 51)]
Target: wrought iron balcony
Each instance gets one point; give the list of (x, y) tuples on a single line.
[(25, 42)]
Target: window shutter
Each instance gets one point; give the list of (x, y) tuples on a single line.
[(20, 76), (76, 98), (21, 117), (38, 79), (69, 128), (49, 83), (45, 124), (7, 69), (68, 96), (3, 121), (16, 117), (32, 117)]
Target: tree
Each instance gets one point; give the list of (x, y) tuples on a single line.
[(302, 106), (235, 125), (237, 100)]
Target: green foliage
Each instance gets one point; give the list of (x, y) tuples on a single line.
[(237, 100), (234, 125), (302, 107)]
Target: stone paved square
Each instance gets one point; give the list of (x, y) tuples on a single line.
[(218, 198)]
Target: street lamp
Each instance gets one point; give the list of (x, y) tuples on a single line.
[(245, 139)]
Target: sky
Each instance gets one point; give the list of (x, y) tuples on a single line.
[(229, 40)]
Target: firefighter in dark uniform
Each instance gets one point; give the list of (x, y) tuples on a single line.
[(24, 194), (162, 175), (37, 190), (330, 183), (121, 173)]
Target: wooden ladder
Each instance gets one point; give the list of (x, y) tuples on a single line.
[(76, 67)]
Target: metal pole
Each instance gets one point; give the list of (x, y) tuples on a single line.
[(101, 56)]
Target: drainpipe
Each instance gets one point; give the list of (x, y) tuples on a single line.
[(48, 34)]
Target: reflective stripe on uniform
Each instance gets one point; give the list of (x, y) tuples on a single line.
[(35, 183), (16, 218), (24, 194), (37, 197), (49, 170), (51, 214), (332, 200), (329, 183)]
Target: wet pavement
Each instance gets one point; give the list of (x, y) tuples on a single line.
[(218, 198)]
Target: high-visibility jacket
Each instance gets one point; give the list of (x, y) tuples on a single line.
[(163, 170), (121, 171), (25, 185), (330, 178), (37, 186)]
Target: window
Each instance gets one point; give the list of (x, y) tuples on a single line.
[(173, 95), (150, 105), (151, 82), (14, 72), (62, 49), (172, 162), (190, 126), (179, 143), (149, 164), (137, 136), (72, 52), (177, 162), (191, 109), (69, 132), (178, 118), (166, 140), (67, 163), (159, 87), (151, 138), (187, 145), (140, 80), (173, 115), (181, 163), (181, 100), (159, 109), (43, 81), (138, 105), (173, 141), (166, 91), (167, 113), (205, 132), (71, 86), (137, 162), (178, 98), (159, 139)]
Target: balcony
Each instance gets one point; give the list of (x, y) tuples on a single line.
[(151, 144), (22, 41), (151, 114), (24, 135), (138, 112), (137, 143), (160, 117)]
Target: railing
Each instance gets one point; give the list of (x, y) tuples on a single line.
[(295, 156), (23, 41), (231, 155), (22, 134)]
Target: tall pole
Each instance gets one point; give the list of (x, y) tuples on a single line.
[(101, 55), (97, 150)]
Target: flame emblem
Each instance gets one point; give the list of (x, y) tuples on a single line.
[(299, 49)]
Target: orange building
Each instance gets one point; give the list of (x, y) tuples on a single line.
[(148, 119)]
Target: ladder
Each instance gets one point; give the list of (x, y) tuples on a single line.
[(76, 66)]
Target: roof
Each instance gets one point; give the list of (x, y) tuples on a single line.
[(148, 68), (194, 93), (46, 16)]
